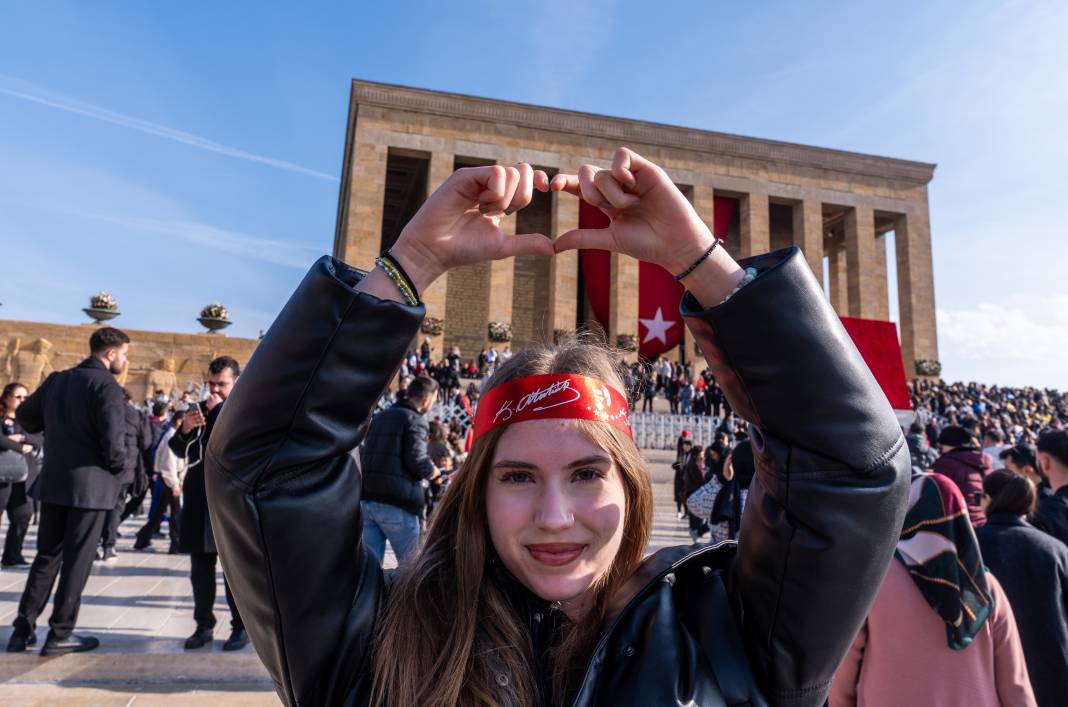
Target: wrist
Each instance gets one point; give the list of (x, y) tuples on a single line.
[(714, 279), (421, 269)]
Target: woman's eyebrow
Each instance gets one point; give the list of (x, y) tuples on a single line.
[(514, 464), (592, 459)]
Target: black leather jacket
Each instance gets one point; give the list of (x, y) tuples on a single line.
[(765, 625), (394, 458)]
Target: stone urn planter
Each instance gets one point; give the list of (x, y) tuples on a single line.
[(102, 307), (214, 324), (214, 318), (99, 315)]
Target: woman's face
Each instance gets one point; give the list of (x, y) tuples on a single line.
[(555, 504), (12, 401)]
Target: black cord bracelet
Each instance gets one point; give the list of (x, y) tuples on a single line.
[(393, 261), (687, 271)]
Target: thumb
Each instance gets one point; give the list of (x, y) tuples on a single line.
[(585, 238), (524, 244)]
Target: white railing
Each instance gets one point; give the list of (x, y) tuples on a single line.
[(658, 430)]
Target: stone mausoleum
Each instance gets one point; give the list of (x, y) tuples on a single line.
[(838, 207)]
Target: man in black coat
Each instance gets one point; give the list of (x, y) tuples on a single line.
[(395, 463), (1052, 512), (138, 440), (82, 412), (196, 537)]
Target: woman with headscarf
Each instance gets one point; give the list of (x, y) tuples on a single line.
[(941, 632)]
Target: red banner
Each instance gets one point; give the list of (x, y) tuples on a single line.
[(659, 323), (878, 346)]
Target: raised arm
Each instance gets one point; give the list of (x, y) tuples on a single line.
[(283, 490), (826, 506)]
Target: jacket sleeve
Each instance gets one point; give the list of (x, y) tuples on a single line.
[(1010, 668), (110, 409), (30, 413), (166, 462), (284, 493), (10, 445), (826, 505), (416, 459)]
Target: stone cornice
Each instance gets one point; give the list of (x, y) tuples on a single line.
[(636, 132)]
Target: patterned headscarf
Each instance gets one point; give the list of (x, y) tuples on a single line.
[(939, 549)]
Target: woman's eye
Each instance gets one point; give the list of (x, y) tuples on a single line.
[(588, 475), (516, 477)]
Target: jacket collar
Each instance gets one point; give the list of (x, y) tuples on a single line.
[(1062, 492), (1006, 519), (93, 362)]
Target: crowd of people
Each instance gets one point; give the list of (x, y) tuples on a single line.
[(83, 454)]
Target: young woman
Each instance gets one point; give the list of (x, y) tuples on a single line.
[(1033, 569), (531, 587), (13, 497)]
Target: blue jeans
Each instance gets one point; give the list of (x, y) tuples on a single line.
[(382, 522)]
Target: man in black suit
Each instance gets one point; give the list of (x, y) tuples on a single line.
[(82, 412), (196, 537)]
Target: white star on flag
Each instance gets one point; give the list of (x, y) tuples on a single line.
[(656, 328)]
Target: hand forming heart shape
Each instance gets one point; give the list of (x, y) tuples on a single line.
[(650, 219)]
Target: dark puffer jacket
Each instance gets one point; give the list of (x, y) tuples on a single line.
[(967, 467), (394, 458), (767, 625)]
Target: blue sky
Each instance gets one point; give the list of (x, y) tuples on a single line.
[(183, 153)]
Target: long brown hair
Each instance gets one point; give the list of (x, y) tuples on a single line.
[(448, 630)]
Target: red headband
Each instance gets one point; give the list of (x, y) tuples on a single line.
[(551, 396)]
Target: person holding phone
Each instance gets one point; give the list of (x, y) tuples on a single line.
[(195, 536)]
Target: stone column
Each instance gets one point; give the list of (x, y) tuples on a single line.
[(836, 272), (563, 267), (915, 288), (754, 227), (367, 191), (861, 273), (440, 168), (808, 234), (501, 285), (623, 302), (880, 293)]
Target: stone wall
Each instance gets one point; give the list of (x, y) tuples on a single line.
[(157, 360)]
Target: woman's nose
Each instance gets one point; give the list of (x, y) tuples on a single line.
[(554, 510)]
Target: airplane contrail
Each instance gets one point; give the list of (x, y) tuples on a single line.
[(108, 116)]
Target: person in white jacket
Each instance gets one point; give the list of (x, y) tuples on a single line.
[(171, 469)]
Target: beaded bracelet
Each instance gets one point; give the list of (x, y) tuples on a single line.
[(704, 256), (404, 273), (399, 280)]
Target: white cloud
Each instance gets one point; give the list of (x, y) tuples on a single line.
[(28, 92), (269, 250), (1007, 343)]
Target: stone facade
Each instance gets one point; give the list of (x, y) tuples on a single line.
[(836, 206), (157, 360)]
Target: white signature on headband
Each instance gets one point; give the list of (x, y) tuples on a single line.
[(537, 396)]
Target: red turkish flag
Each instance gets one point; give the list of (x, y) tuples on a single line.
[(659, 323)]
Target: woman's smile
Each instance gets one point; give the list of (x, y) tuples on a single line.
[(555, 554)]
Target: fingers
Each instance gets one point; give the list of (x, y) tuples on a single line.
[(500, 188), (525, 244), (625, 162), (524, 190), (610, 187), (583, 238)]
